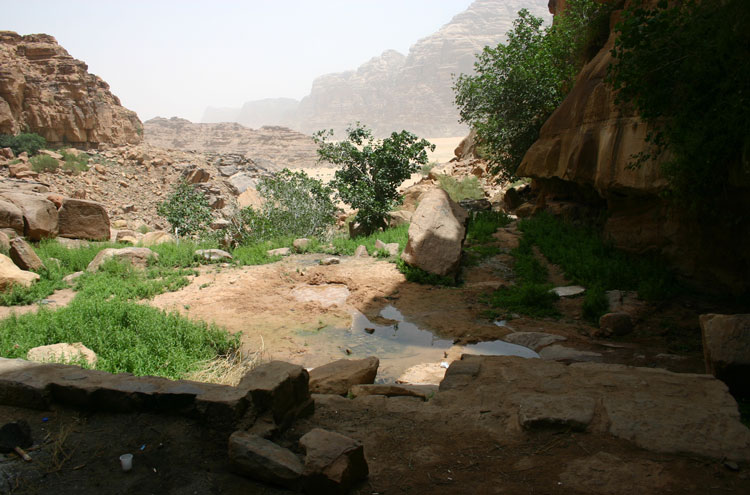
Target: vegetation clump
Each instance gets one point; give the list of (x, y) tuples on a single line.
[(461, 189), (187, 210), (518, 84), (44, 163), (372, 170), (28, 142)]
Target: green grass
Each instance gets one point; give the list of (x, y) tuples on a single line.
[(75, 163), (419, 276), (458, 190), (589, 261), (346, 246), (483, 225), (43, 163)]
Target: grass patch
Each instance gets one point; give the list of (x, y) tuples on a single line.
[(75, 163), (347, 246), (419, 276), (127, 337), (589, 261), (483, 225), (43, 163), (458, 190)]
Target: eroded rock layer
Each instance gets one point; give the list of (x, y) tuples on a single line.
[(45, 90)]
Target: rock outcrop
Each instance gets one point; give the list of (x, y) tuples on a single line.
[(44, 89), (393, 91), (583, 154)]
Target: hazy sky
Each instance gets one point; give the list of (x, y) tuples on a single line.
[(177, 57)]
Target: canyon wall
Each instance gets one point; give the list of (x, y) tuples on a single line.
[(45, 90)]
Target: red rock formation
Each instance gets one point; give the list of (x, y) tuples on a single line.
[(44, 89)]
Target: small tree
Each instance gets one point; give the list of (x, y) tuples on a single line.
[(186, 209), (29, 142), (372, 170)]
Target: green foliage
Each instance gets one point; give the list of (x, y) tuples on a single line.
[(43, 163), (187, 210), (426, 168), (458, 190), (27, 141), (526, 298), (372, 170), (595, 303), (483, 225), (419, 276), (127, 337), (75, 162), (517, 85), (295, 205), (346, 246), (587, 260), (684, 67)]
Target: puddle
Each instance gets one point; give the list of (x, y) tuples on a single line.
[(401, 345)]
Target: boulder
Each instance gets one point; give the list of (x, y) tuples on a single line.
[(399, 217), (18, 170), (333, 463), (241, 182), (157, 237), (4, 242), (260, 459), (301, 244), (285, 251), (280, 388), (126, 236), (512, 199), (196, 176), (213, 254), (39, 214), (62, 353), (339, 376), (11, 216), (533, 340), (136, 256), (726, 349), (361, 252), (250, 198), (330, 261), (392, 248), (24, 256), (7, 153), (10, 274), (82, 219), (436, 234)]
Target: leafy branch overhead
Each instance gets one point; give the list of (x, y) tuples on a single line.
[(372, 169)]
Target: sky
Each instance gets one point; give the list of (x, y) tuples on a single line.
[(176, 57)]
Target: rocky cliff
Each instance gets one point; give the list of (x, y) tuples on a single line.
[(395, 91), (583, 153), (45, 90), (272, 147)]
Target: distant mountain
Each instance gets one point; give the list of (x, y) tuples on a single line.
[(392, 91)]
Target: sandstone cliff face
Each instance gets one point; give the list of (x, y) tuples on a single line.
[(272, 147), (583, 153), (392, 91), (44, 89)]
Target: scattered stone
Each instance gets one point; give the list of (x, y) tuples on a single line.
[(615, 324), (136, 256), (24, 256), (555, 411), (83, 219), (436, 234), (4, 242), (120, 224), (569, 291), (227, 170), (69, 279), (128, 208), (301, 244), (339, 376), (361, 252), (726, 349), (285, 251), (220, 224), (157, 237), (10, 274), (386, 390), (56, 199), (18, 170), (260, 459), (196, 176), (281, 388), (241, 182), (330, 261), (15, 434), (126, 236), (533, 340), (213, 254), (62, 353), (562, 353), (333, 463), (7, 153), (399, 217), (392, 247), (474, 205)]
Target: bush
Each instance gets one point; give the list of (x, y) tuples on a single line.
[(684, 67), (187, 210), (75, 162), (44, 163), (372, 170), (458, 190), (294, 205), (29, 142), (517, 85)]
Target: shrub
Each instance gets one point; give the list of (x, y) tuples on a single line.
[(482, 225), (458, 190), (44, 163), (75, 162), (372, 170), (684, 67), (294, 205), (29, 142), (517, 85), (187, 210)]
